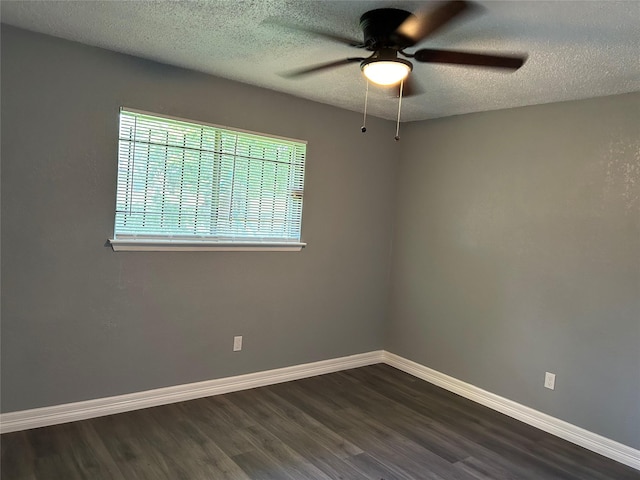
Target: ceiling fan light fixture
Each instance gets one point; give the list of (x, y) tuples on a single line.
[(386, 72)]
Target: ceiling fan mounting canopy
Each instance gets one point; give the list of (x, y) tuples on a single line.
[(380, 29)]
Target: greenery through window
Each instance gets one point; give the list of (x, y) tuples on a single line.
[(190, 181)]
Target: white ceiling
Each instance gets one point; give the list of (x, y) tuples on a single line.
[(577, 49)]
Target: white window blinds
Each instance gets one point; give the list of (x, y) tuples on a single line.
[(179, 180)]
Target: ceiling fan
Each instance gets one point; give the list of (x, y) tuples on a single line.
[(388, 32)]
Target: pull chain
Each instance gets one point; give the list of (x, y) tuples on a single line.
[(397, 137), (366, 100)]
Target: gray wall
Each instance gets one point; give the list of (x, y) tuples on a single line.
[(80, 321), (517, 251)]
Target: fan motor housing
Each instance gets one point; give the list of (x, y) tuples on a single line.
[(379, 28)]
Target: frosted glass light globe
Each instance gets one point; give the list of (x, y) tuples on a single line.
[(385, 72)]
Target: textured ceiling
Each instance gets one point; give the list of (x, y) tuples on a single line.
[(576, 49)]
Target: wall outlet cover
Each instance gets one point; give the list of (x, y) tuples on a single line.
[(550, 380), (237, 343)]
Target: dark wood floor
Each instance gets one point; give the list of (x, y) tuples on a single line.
[(372, 423)]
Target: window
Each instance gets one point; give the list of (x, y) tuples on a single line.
[(193, 186)]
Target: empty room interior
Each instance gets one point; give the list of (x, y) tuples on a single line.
[(448, 286)]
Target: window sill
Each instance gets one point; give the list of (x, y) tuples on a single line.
[(146, 245)]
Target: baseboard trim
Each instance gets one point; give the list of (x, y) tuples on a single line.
[(71, 412), (567, 431)]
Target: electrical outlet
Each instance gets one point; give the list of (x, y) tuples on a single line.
[(237, 343), (550, 380)]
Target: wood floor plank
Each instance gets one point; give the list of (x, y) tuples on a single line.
[(274, 455), (125, 439), (259, 466), (88, 453), (390, 446), (580, 461), (214, 420), (291, 422), (485, 471), (17, 456), (370, 423), (374, 468), (310, 439)]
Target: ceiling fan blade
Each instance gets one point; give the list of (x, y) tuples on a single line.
[(424, 23), (428, 55), (320, 67), (320, 33)]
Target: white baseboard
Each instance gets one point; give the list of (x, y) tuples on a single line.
[(71, 412), (567, 431)]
